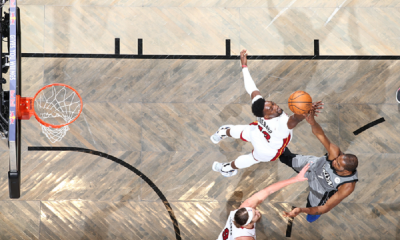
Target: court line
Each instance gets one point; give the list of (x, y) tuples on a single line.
[(289, 225), (213, 57), (227, 55), (128, 166), (369, 125), (117, 46)]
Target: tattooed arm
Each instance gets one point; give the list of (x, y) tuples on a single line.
[(343, 191)]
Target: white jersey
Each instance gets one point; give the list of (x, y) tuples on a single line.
[(231, 232), (269, 137)]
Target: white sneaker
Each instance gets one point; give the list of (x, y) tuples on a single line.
[(220, 134), (217, 167)]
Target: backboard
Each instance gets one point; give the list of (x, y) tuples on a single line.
[(14, 135)]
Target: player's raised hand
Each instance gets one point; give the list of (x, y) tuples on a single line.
[(243, 57), (300, 177), (292, 213), (314, 110), (316, 106)]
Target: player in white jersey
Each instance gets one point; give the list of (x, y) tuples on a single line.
[(241, 224), (269, 135)]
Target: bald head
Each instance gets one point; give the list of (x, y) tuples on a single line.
[(350, 162)]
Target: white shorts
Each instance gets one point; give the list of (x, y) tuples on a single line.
[(250, 133)]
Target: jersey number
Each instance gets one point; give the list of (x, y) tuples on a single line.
[(266, 135), (225, 234)]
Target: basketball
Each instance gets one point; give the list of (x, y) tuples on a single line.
[(300, 102)]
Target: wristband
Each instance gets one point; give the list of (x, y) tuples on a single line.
[(244, 66)]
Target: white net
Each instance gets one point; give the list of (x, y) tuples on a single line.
[(57, 105), (54, 134)]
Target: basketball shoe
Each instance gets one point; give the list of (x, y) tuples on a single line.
[(223, 168), (220, 134), (398, 95)]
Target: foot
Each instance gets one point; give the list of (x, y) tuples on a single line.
[(220, 134), (398, 95), (219, 167)]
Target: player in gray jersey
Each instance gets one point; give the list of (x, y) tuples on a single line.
[(331, 178)]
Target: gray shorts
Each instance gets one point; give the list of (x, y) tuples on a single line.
[(318, 194)]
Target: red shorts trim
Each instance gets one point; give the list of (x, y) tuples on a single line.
[(252, 152), (280, 151), (241, 137)]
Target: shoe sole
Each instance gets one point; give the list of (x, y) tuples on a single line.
[(398, 95), (214, 167), (212, 140), (230, 175)]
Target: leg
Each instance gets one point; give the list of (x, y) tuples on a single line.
[(318, 196), (295, 161), (244, 161), (287, 158), (227, 131), (237, 130), (230, 169), (311, 218)]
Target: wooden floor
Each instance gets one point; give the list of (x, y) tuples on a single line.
[(158, 115)]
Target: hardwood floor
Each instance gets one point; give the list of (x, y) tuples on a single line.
[(158, 115)]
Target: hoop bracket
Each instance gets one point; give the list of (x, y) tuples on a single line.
[(25, 107)]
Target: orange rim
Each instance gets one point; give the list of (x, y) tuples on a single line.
[(51, 125)]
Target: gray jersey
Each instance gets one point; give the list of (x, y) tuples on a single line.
[(322, 178)]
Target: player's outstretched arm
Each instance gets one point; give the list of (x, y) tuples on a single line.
[(294, 120), (343, 191), (332, 149), (249, 84), (297, 118), (259, 197)]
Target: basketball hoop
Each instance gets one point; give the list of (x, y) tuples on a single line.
[(54, 106)]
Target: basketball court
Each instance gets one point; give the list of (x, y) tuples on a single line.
[(136, 164)]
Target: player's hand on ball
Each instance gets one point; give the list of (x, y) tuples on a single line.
[(292, 213), (243, 57), (316, 106), (314, 110)]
